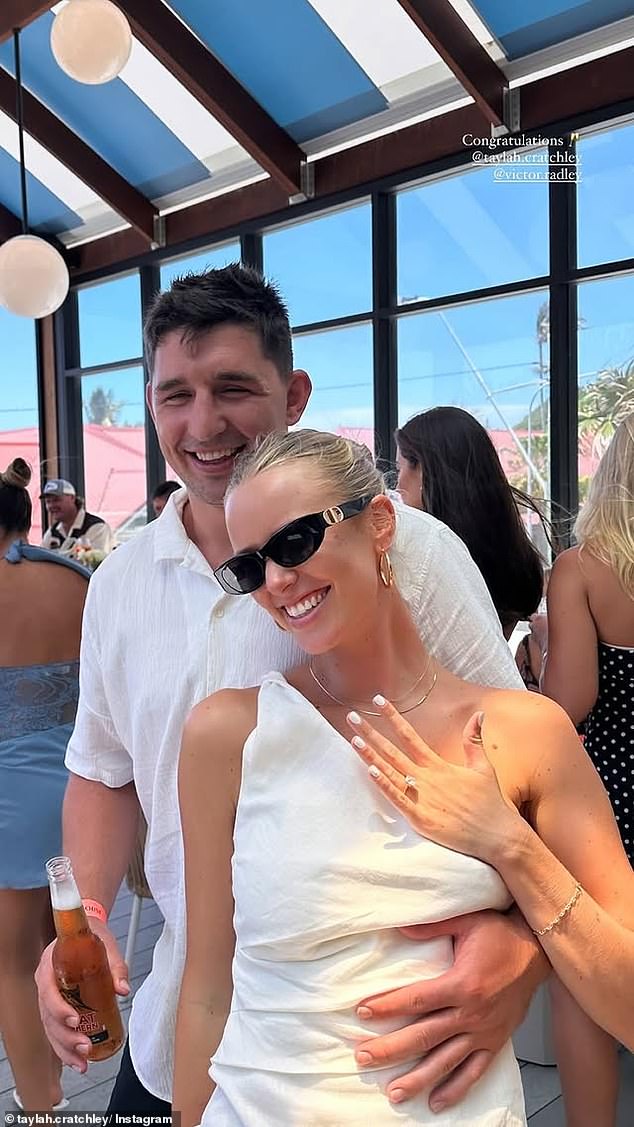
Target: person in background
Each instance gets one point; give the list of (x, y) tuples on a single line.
[(160, 495), (449, 467), (71, 524), (589, 671), (41, 602), (531, 649)]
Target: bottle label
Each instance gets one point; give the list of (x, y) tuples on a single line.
[(88, 1020)]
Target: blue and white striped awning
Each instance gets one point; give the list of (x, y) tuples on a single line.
[(330, 73)]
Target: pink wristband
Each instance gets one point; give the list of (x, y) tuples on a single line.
[(94, 908)]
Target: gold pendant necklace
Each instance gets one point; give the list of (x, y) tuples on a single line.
[(370, 712)]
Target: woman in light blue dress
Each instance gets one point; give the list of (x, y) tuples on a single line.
[(41, 603)]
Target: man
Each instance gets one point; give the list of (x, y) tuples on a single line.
[(160, 495), (71, 523), (159, 635)]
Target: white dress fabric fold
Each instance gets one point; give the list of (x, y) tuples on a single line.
[(325, 871)]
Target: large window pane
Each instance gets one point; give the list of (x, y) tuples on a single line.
[(339, 363), (114, 447), (323, 266), (606, 367), (492, 359), (471, 230), (110, 321), (606, 203), (197, 263), (19, 433)]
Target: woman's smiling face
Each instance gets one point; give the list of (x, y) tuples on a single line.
[(326, 599)]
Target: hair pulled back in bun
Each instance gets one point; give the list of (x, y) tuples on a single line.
[(15, 503), (17, 473)]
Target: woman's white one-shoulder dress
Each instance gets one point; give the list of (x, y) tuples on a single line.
[(324, 872)]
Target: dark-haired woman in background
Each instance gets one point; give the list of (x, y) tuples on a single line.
[(41, 602), (449, 467)]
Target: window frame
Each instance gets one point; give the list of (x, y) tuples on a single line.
[(562, 279)]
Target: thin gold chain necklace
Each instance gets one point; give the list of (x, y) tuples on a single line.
[(370, 712)]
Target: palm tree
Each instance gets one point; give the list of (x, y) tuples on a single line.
[(605, 402)]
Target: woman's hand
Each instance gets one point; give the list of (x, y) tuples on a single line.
[(460, 807)]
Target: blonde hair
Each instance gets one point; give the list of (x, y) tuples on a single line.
[(605, 525), (338, 461)]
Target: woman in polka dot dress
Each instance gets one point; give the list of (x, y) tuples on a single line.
[(610, 735), (590, 672)]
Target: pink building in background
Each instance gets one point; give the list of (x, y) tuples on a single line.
[(114, 462), (114, 465)]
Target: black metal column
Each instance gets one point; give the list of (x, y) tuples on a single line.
[(41, 396), (563, 342), (150, 281), (252, 251), (70, 433), (384, 324)]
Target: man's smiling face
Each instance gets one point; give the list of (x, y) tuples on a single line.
[(211, 396)]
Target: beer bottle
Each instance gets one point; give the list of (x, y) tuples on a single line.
[(81, 965)]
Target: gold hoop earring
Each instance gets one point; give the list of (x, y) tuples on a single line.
[(386, 570)]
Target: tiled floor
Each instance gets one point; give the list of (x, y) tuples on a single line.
[(91, 1091)]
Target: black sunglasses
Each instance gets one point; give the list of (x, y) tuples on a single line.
[(292, 545)]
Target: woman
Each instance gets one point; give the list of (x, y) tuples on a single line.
[(589, 666), (449, 467), (41, 602), (285, 838), (589, 671)]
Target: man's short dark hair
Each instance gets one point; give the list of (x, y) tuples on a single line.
[(163, 489), (231, 295)]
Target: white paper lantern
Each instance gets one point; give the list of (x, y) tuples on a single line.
[(91, 40), (34, 278)]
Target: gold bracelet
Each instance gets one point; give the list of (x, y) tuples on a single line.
[(564, 912)]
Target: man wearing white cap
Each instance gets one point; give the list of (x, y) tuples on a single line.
[(71, 523)]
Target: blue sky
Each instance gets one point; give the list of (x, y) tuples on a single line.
[(453, 235)]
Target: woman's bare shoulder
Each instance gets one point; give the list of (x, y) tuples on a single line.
[(566, 562), (568, 572), (530, 729), (229, 712), (515, 710), (210, 761)]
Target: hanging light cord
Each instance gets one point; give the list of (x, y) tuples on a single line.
[(19, 116)]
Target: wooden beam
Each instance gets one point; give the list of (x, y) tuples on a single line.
[(59, 140), (18, 13), (227, 210), (604, 82), (458, 47), (205, 77), (9, 224), (428, 141), (582, 89)]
